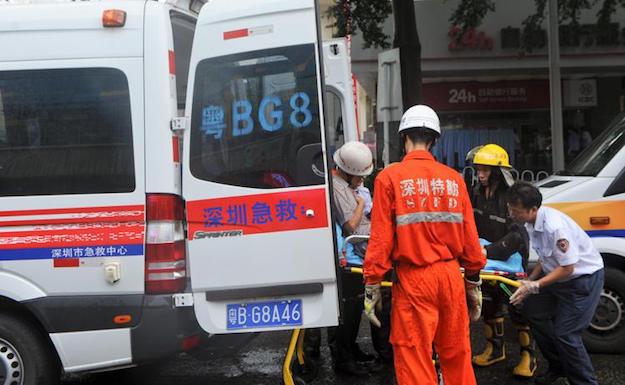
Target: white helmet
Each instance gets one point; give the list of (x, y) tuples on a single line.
[(420, 116), (354, 158)]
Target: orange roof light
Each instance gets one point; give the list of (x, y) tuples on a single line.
[(113, 18)]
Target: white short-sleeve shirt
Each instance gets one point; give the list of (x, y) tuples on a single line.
[(559, 241)]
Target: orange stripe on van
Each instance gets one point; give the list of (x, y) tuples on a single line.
[(581, 212)]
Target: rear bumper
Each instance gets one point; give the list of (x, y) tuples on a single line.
[(157, 328), (164, 330)]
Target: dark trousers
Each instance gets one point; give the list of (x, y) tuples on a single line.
[(558, 315), (495, 303), (342, 339), (380, 335)]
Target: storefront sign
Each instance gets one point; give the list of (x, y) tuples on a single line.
[(580, 93), (502, 95), (471, 39)]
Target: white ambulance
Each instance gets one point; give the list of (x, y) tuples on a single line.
[(592, 192), (111, 252)]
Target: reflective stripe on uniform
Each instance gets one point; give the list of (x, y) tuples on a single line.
[(478, 211), (435, 216), (498, 219)]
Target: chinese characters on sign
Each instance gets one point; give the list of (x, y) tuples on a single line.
[(508, 94), (434, 193), (270, 115), (261, 213), (84, 252), (471, 39), (584, 35), (237, 216)]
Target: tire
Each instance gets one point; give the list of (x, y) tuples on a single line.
[(25, 357), (606, 333)]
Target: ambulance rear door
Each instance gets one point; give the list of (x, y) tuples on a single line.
[(260, 233)]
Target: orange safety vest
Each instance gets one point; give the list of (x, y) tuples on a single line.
[(421, 214)]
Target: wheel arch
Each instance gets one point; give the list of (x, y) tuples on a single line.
[(10, 306)]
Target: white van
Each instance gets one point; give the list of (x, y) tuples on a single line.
[(100, 265), (592, 192)]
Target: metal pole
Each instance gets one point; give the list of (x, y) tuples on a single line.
[(555, 93), (387, 114)]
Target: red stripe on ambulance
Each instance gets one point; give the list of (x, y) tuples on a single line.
[(257, 214)]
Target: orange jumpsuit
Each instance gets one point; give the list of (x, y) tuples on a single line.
[(423, 226)]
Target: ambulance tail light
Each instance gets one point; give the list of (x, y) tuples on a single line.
[(165, 255)]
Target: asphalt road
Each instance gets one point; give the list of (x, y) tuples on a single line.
[(260, 363)]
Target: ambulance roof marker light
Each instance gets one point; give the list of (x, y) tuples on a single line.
[(113, 18)]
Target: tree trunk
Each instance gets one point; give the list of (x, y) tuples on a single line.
[(407, 40)]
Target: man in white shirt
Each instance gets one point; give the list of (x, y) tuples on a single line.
[(562, 292)]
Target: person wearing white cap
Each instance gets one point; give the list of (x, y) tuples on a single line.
[(353, 162)]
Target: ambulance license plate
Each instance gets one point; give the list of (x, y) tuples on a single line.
[(264, 314)]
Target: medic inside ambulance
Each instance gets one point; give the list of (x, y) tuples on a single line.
[(591, 190)]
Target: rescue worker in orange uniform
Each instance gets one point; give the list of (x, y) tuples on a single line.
[(422, 225)]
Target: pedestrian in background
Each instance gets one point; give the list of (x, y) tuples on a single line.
[(562, 292)]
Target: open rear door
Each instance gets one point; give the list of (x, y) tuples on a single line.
[(260, 233)]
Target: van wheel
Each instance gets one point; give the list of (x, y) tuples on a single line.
[(25, 358), (606, 333)]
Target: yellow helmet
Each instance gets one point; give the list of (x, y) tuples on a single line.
[(492, 155)]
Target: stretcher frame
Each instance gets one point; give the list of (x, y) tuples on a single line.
[(295, 351)]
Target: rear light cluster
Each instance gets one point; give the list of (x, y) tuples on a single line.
[(165, 258)]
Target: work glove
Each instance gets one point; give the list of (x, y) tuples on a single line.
[(373, 300), (474, 298), (527, 288)]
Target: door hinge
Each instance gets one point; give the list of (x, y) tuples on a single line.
[(179, 123), (183, 299)]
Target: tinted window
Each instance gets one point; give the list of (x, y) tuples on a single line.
[(65, 131), (183, 28), (594, 158), (255, 119), (333, 116)]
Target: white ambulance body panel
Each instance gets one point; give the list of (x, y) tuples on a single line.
[(106, 348), (338, 77), (91, 232), (592, 192), (260, 235), (85, 147)]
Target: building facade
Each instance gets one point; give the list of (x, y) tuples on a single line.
[(486, 89)]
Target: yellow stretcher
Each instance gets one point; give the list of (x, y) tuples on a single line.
[(294, 362)]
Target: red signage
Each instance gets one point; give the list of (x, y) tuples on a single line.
[(470, 39), (477, 96)]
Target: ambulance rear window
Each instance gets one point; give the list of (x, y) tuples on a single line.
[(255, 119), (65, 131)]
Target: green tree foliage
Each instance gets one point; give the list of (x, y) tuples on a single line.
[(569, 12), (366, 16), (470, 14)]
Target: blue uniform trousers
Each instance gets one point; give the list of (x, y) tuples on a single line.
[(558, 315)]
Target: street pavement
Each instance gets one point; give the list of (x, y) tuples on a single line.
[(260, 363)]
